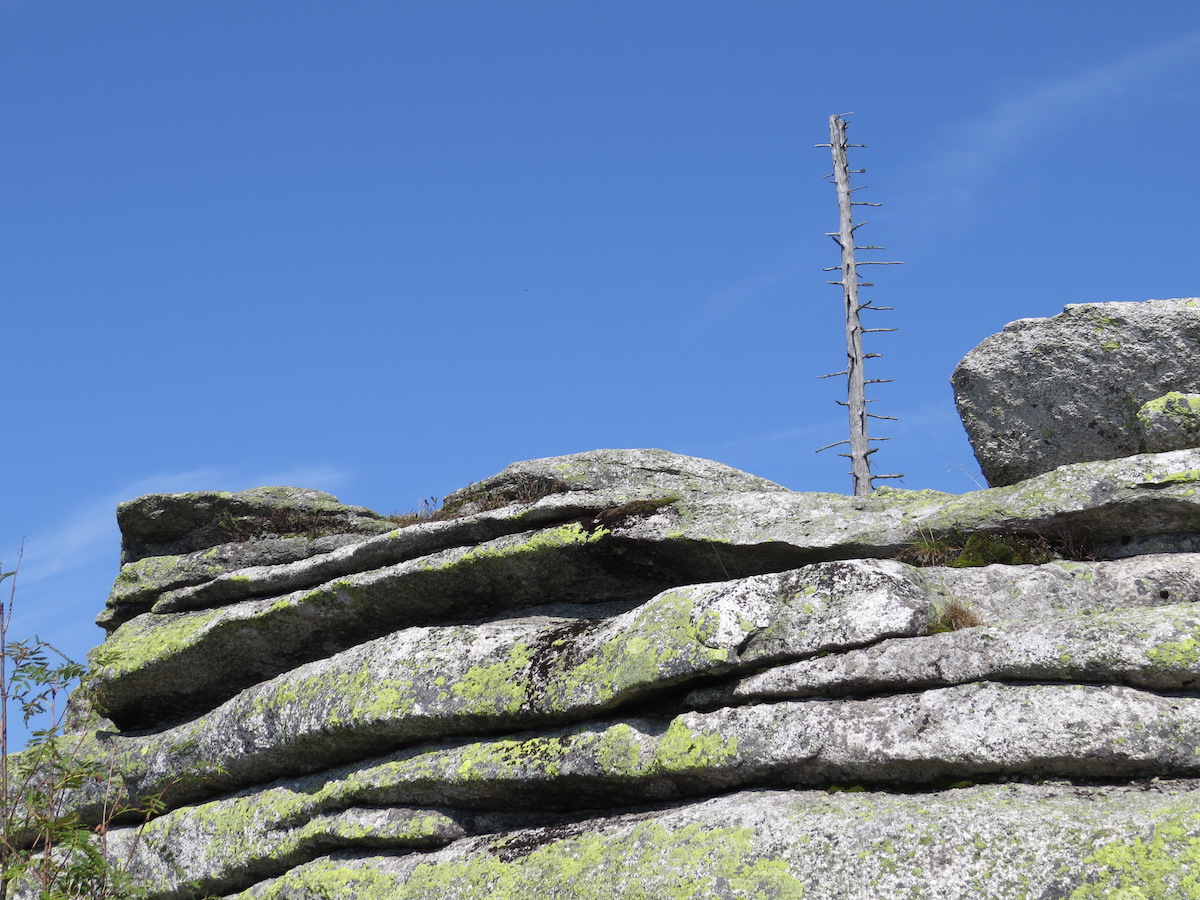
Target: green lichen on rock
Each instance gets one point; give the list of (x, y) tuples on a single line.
[(495, 687), (647, 862), (1169, 422), (147, 639), (681, 750), (1186, 476), (573, 534), (1182, 653), (657, 642), (1166, 866), (1183, 409)]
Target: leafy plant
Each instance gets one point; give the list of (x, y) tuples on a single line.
[(46, 849)]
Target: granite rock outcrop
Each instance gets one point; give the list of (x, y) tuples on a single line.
[(636, 674)]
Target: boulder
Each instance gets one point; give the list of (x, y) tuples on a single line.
[(1098, 381)]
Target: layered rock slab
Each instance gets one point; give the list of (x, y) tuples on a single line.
[(996, 842), (425, 683), (656, 641), (165, 524), (1088, 384), (973, 731), (165, 662)]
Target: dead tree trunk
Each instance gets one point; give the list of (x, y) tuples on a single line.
[(856, 390)]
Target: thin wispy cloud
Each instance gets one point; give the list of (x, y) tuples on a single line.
[(975, 149), (88, 535), (68, 565), (796, 261)]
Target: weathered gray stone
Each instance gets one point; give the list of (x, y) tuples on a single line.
[(633, 474), (158, 666), (956, 733), (1156, 649), (263, 577), (1002, 594), (967, 732), (174, 524), (176, 663), (995, 842), (141, 583), (1048, 392), (1107, 501), (540, 693), (422, 683)]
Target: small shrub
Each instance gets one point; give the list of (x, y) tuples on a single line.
[(45, 847)]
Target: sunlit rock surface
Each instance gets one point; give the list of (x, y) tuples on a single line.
[(633, 674), (1097, 381)]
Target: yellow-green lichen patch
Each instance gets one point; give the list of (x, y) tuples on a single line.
[(487, 761), (618, 751), (1176, 654), (682, 750), (1164, 478), (151, 638), (496, 687), (647, 862), (658, 642), (144, 575), (1164, 867), (551, 538), (278, 828), (1181, 410), (353, 695)]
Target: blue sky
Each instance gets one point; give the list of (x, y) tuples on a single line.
[(385, 248)]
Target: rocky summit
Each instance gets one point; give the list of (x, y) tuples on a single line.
[(632, 674), (1097, 381)]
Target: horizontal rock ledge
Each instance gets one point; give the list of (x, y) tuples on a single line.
[(423, 683), (970, 732), (156, 666), (978, 731), (1156, 649), (994, 841), (171, 524)]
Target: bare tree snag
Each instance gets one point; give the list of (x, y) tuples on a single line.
[(856, 392)]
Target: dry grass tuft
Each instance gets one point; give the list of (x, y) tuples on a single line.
[(954, 615)]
